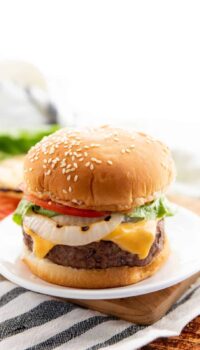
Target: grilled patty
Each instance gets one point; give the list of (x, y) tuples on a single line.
[(100, 255)]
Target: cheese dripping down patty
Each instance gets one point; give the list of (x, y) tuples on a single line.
[(136, 238)]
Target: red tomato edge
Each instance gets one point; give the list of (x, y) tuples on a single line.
[(62, 209)]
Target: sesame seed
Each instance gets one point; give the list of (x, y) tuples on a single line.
[(86, 147), (85, 154), (109, 162), (75, 178), (56, 160), (96, 160), (87, 164), (45, 160), (116, 139), (164, 165), (81, 159), (30, 169), (128, 150), (69, 170), (69, 166), (68, 177), (132, 146), (70, 189), (63, 171), (75, 165), (52, 150), (64, 191), (73, 158), (165, 150), (48, 172), (123, 151), (75, 201)]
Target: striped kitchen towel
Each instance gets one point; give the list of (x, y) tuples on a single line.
[(37, 322)]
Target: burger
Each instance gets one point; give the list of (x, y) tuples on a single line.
[(93, 209)]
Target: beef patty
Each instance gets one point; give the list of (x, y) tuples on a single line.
[(100, 255)]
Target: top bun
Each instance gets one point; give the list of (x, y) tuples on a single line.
[(101, 169)]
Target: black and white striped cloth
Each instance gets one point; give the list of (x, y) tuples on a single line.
[(33, 321)]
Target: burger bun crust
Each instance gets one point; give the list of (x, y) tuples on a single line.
[(100, 169)]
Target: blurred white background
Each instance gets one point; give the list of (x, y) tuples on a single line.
[(126, 62), (121, 59)]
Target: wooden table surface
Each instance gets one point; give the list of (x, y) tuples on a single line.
[(189, 339)]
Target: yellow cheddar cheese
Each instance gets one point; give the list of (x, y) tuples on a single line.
[(136, 238), (41, 246)]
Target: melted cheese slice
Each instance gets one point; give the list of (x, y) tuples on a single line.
[(136, 238), (41, 246)]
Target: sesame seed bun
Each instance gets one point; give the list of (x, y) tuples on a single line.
[(100, 169), (94, 278)]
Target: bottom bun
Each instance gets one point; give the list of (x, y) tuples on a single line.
[(93, 278)]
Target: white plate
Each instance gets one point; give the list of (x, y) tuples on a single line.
[(184, 234)]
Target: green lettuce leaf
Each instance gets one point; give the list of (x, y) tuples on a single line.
[(155, 210), (43, 211), (24, 206)]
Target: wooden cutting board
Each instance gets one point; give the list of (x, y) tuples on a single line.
[(148, 308)]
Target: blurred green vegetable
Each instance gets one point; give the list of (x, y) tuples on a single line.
[(12, 144)]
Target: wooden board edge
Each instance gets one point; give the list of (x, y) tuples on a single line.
[(136, 306)]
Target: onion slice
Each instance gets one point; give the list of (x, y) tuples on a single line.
[(70, 234), (64, 220)]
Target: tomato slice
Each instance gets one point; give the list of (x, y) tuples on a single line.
[(63, 209)]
